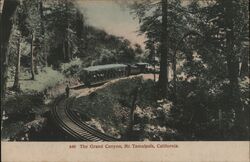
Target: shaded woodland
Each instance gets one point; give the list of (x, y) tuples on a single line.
[(203, 46)]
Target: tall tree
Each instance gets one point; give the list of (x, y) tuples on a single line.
[(230, 18), (16, 85), (153, 18), (62, 24), (16, 41), (31, 27), (32, 69), (225, 26), (164, 23), (9, 7), (164, 48)]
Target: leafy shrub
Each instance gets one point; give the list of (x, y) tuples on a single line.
[(46, 78), (24, 104), (71, 68)]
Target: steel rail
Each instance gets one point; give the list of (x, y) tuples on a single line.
[(72, 125)]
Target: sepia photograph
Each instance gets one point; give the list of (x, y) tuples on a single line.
[(124, 70)]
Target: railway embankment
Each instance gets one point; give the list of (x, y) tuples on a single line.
[(126, 109), (106, 108), (26, 112)]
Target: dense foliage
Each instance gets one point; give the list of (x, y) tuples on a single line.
[(206, 47), (55, 32), (203, 46)]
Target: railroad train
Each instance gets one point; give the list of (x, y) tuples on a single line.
[(103, 73)]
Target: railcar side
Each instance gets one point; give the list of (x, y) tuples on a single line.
[(103, 73)]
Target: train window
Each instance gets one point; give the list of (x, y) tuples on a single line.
[(104, 72)]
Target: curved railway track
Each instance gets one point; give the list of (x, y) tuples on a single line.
[(70, 123)]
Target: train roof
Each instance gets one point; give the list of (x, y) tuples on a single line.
[(105, 67), (142, 63)]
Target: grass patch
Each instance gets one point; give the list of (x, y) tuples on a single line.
[(46, 78)]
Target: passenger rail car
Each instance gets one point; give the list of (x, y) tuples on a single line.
[(103, 73)]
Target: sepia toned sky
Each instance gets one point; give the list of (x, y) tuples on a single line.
[(113, 17)]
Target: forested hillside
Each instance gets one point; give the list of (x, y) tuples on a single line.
[(200, 46), (50, 33), (43, 45), (206, 44)]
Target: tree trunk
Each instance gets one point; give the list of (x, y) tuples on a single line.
[(8, 8), (244, 71), (68, 34), (232, 61), (69, 50), (32, 58), (45, 54), (16, 85), (35, 51), (42, 16), (153, 55), (163, 77), (44, 49), (133, 106), (64, 50), (68, 44), (175, 76), (154, 74)]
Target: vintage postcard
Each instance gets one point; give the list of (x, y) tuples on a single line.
[(124, 80)]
